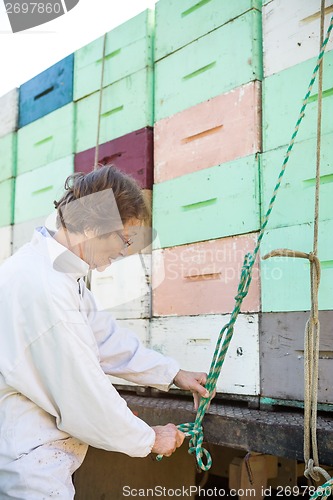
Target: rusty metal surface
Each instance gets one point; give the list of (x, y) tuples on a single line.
[(277, 433)]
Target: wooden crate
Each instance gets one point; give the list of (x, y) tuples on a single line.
[(46, 140), (280, 115), (129, 48), (124, 287), (282, 355), (191, 341), (36, 190), (207, 67), (285, 282), (216, 131), (299, 39), (5, 242), (126, 106), (7, 189), (23, 232), (188, 20), (202, 278), (46, 92), (142, 329), (295, 200), (132, 153), (8, 156), (8, 112), (208, 204)]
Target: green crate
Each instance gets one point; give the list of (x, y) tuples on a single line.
[(36, 190), (181, 22), (207, 204), (127, 105), (129, 48), (7, 189), (46, 140), (285, 281), (295, 199), (8, 156), (216, 63), (283, 95)]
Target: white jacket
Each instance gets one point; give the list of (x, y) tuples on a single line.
[(55, 352)]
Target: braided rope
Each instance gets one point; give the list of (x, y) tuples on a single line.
[(194, 429)]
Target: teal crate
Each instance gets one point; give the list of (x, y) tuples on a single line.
[(207, 204), (129, 48), (295, 199), (283, 95), (8, 156), (46, 140), (216, 63), (7, 189), (285, 281), (188, 20), (127, 105), (36, 190)]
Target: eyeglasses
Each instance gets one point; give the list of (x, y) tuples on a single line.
[(127, 243)]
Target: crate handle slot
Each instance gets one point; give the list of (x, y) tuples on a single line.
[(109, 56), (42, 190), (112, 111), (324, 179), (108, 159), (200, 135), (194, 7), (203, 276), (43, 141), (45, 92), (199, 204), (199, 71)]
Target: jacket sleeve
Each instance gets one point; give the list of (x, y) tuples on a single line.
[(60, 373), (123, 355)]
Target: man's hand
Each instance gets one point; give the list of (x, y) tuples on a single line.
[(194, 382), (168, 439)]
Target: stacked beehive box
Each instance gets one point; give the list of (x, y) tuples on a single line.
[(207, 134), (8, 138), (289, 59)]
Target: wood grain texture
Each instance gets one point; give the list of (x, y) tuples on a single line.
[(213, 132), (299, 38), (282, 355), (191, 341), (202, 278), (9, 112)]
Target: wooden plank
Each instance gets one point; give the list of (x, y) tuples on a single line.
[(127, 106), (202, 278), (210, 133), (129, 48), (36, 190), (190, 19), (295, 200), (132, 153), (285, 282), (191, 341), (7, 188), (208, 204), (280, 115), (124, 287), (282, 355), (46, 140), (8, 156), (5, 242), (299, 38), (207, 67), (46, 92), (8, 112)]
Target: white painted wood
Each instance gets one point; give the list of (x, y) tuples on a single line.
[(291, 32), (124, 287), (141, 327), (5, 242), (22, 233), (191, 341), (8, 112)]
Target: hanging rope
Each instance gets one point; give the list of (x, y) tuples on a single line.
[(194, 429)]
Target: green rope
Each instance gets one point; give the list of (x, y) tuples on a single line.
[(194, 429), (324, 491)]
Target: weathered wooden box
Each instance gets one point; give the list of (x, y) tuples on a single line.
[(8, 156), (9, 112), (7, 191), (5, 242)]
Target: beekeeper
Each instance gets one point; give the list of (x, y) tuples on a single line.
[(56, 347)]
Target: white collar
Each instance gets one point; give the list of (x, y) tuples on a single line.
[(61, 258)]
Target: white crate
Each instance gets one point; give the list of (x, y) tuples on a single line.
[(291, 32), (191, 341), (124, 287), (23, 232), (8, 112), (5, 242), (141, 328)]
